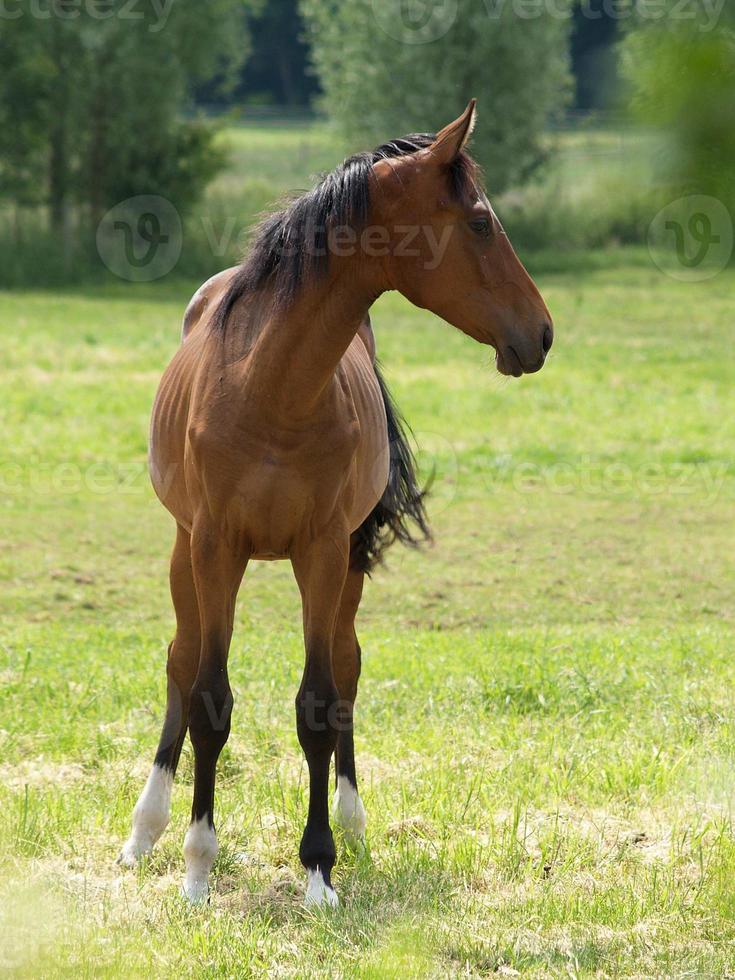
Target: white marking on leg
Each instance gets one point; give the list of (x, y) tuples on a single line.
[(200, 850), (150, 816), (318, 892), (348, 811)]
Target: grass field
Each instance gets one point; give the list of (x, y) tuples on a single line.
[(559, 805)]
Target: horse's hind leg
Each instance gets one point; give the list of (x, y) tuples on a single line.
[(320, 569), (347, 809), (151, 813)]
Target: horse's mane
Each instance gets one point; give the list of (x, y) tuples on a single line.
[(290, 246)]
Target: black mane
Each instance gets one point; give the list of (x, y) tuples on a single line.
[(290, 246)]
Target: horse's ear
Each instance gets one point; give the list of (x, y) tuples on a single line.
[(453, 137)]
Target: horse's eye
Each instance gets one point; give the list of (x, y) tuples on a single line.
[(481, 227)]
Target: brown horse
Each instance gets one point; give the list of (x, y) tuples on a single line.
[(274, 437)]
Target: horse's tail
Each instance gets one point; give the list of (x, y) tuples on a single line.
[(400, 514)]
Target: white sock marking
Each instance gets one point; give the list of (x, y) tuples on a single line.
[(318, 892), (200, 850), (150, 816), (348, 811)]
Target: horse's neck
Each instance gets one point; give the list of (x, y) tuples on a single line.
[(300, 347)]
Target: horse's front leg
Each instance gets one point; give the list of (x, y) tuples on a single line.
[(151, 814), (320, 569), (217, 575)]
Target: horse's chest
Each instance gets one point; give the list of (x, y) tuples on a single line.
[(268, 489), (274, 474), (269, 481)]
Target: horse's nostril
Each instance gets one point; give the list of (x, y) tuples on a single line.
[(547, 339)]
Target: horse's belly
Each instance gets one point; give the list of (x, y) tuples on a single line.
[(372, 457), (167, 438)]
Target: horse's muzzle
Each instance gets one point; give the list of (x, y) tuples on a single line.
[(519, 358)]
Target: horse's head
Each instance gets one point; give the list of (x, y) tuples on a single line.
[(449, 253)]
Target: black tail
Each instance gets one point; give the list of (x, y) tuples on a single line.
[(402, 503)]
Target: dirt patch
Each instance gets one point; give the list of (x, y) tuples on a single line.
[(40, 772)]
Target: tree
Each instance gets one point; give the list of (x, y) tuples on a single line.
[(22, 120), (682, 72), (280, 56), (90, 112), (391, 66), (277, 73), (593, 53)]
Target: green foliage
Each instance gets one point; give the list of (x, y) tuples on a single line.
[(382, 79), (682, 74), (596, 191), (99, 101), (278, 72), (23, 116)]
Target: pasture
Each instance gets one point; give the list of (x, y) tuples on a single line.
[(560, 804)]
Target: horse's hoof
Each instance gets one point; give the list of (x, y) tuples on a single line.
[(200, 850), (348, 813), (318, 893), (195, 891), (132, 854)]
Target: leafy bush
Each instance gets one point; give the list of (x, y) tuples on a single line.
[(682, 75)]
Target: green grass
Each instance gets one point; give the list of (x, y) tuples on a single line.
[(545, 729)]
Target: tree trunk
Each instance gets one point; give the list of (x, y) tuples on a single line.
[(59, 163), (290, 91), (58, 176)]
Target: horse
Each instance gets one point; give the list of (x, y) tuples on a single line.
[(273, 436)]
